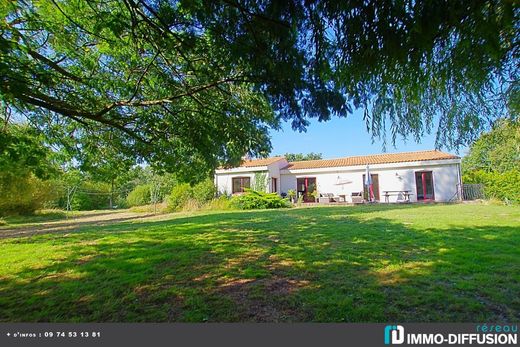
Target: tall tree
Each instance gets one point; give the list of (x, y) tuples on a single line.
[(25, 159), (494, 161), (495, 151), (187, 84)]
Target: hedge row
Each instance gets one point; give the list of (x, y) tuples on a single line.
[(503, 186)]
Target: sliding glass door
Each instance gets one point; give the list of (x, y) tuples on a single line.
[(424, 184), (305, 187)]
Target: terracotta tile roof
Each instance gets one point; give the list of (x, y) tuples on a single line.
[(371, 159), (260, 162)]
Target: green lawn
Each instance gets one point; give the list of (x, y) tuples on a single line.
[(341, 264)]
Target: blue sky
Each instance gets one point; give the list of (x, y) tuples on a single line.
[(343, 137)]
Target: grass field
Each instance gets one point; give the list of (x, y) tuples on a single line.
[(343, 264)]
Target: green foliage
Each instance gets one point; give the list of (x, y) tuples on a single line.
[(498, 185), (23, 150), (179, 196), (182, 84), (92, 196), (497, 150), (259, 182), (291, 194), (25, 195), (302, 157), (186, 197), (123, 80), (252, 199), (139, 196), (204, 191), (25, 161), (494, 160), (161, 184)]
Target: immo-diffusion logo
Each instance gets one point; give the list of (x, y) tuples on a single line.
[(394, 334), (484, 334)]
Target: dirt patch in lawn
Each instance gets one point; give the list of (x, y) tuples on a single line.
[(265, 300)]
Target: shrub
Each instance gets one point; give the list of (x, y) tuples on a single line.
[(139, 196), (503, 186), (204, 191), (180, 194), (291, 193), (258, 200), (260, 182), (25, 194), (120, 201), (92, 196)]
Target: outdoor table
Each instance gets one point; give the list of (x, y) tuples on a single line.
[(406, 194)]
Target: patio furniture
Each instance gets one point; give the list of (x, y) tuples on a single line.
[(404, 193), (357, 198), (329, 197), (323, 199)]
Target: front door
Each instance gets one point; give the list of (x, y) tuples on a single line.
[(375, 187), (424, 184), (305, 187)]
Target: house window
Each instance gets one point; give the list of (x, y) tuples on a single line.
[(274, 185), (239, 183)]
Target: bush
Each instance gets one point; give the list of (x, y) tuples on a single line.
[(204, 191), (92, 196), (120, 201), (139, 196), (258, 200), (503, 186), (179, 196), (21, 195), (185, 197)]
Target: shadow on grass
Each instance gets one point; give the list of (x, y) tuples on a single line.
[(324, 264), (47, 216), (64, 226)]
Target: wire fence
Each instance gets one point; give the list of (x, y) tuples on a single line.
[(473, 192)]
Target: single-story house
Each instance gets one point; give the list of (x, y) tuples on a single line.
[(395, 177)]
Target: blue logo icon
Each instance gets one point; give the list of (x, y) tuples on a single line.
[(394, 334)]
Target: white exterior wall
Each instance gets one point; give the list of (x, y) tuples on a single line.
[(224, 178), (274, 172), (392, 177), (224, 181)]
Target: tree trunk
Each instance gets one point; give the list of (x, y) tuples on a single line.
[(112, 194)]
